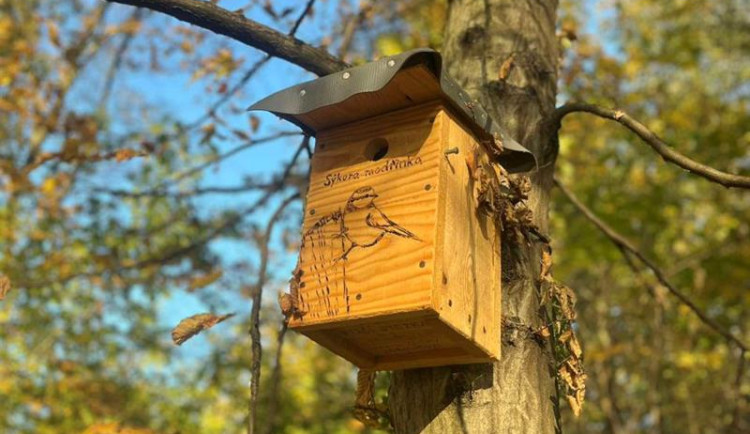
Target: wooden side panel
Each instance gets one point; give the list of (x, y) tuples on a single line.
[(369, 229), (467, 278)]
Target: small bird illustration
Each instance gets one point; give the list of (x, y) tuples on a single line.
[(360, 208), (359, 225)]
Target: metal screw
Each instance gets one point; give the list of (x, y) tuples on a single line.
[(391, 63), (450, 151), (302, 92), (346, 75)]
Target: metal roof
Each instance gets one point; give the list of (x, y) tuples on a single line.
[(383, 86)]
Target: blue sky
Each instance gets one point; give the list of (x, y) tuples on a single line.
[(187, 100), (183, 98)]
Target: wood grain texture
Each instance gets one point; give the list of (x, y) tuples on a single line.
[(466, 290), (368, 233), (382, 231)]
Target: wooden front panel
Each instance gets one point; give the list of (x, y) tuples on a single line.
[(370, 220)]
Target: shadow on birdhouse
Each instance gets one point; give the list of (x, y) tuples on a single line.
[(397, 269)]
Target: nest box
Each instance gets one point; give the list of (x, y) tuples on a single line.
[(397, 267)]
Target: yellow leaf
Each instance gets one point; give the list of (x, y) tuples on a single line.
[(48, 186), (54, 33)]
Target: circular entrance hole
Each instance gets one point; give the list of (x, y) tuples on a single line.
[(376, 149)]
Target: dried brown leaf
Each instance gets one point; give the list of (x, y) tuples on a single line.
[(204, 280), (575, 404), (4, 286), (565, 336), (125, 155), (506, 67), (574, 346), (254, 123), (365, 388), (546, 272), (365, 408), (544, 332), (567, 300), (286, 303), (241, 134), (191, 326)]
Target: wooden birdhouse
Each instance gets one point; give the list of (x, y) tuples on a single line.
[(397, 269)]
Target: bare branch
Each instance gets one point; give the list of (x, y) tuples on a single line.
[(255, 312), (350, 29), (117, 59), (650, 138), (234, 25), (230, 93), (224, 156), (273, 394), (248, 75), (235, 189), (626, 247)]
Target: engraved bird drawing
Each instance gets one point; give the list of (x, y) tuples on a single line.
[(361, 208), (330, 241)]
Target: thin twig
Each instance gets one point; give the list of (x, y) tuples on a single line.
[(118, 57), (350, 29), (735, 425), (624, 245), (273, 393), (308, 8), (224, 156), (254, 331), (242, 188), (230, 93), (650, 138), (247, 76)]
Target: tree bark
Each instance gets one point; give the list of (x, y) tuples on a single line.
[(504, 53)]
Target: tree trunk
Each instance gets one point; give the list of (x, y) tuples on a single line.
[(504, 53)]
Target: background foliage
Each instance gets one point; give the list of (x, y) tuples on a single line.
[(135, 190)]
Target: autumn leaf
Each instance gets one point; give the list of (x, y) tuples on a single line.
[(191, 326), (115, 427), (125, 155), (506, 67), (4, 286), (254, 123), (204, 280), (54, 33)]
